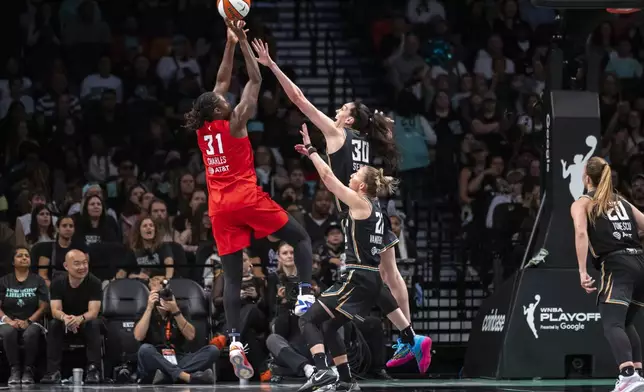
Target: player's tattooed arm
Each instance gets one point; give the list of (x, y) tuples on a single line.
[(226, 67), (247, 106), (322, 121)]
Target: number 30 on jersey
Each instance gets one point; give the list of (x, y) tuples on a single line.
[(210, 150)]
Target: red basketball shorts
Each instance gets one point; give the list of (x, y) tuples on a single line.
[(232, 227)]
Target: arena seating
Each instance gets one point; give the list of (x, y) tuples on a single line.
[(124, 301), (192, 300), (106, 258)]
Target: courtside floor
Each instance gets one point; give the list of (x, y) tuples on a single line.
[(475, 385)]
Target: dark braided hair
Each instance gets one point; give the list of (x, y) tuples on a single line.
[(377, 128), (203, 109)]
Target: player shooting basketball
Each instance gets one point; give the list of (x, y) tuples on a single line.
[(237, 206)]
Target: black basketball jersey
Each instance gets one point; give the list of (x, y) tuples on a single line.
[(354, 153), (615, 230), (364, 238)]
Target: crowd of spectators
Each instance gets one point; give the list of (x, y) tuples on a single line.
[(94, 157), (99, 182)]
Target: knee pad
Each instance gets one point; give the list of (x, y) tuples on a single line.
[(386, 301)]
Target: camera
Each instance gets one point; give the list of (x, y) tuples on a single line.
[(291, 286), (165, 293)]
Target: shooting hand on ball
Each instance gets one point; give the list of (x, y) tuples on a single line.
[(231, 36), (237, 27)]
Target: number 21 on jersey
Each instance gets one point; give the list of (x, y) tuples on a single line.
[(380, 225), (210, 150)]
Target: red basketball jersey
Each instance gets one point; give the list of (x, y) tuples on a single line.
[(230, 167)]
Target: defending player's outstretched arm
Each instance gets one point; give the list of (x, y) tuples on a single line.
[(247, 106), (322, 121), (355, 202), (226, 67)]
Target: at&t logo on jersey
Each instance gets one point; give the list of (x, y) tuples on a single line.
[(215, 160)]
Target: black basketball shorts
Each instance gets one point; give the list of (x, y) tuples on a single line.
[(354, 294), (622, 280)]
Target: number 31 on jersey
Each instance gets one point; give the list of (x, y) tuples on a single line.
[(210, 150)]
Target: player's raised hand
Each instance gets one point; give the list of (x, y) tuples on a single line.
[(305, 135), (230, 34), (301, 149), (263, 55), (237, 28)]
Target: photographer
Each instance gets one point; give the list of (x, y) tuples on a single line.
[(164, 330), (75, 303)]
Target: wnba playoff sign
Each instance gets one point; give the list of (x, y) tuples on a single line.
[(540, 318)]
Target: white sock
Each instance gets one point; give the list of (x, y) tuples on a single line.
[(308, 370)]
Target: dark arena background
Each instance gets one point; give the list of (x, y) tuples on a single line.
[(507, 99)]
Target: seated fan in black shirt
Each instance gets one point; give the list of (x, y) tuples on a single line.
[(163, 330), (94, 225), (53, 255), (149, 255), (75, 303), (23, 301)]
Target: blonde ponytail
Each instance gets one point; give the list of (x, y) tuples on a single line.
[(604, 194), (378, 184), (386, 184)]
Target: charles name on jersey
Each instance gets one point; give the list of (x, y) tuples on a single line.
[(219, 163)]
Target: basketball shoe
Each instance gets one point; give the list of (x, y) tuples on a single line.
[(304, 302), (241, 366), (422, 350), (633, 383), (402, 355)]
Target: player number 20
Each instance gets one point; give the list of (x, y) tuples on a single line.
[(210, 150), (380, 225), (617, 213)]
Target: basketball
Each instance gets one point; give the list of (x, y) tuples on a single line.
[(233, 9)]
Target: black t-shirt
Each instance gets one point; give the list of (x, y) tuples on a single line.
[(76, 300), (159, 327), (267, 253), (107, 232), (148, 260), (21, 299)]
